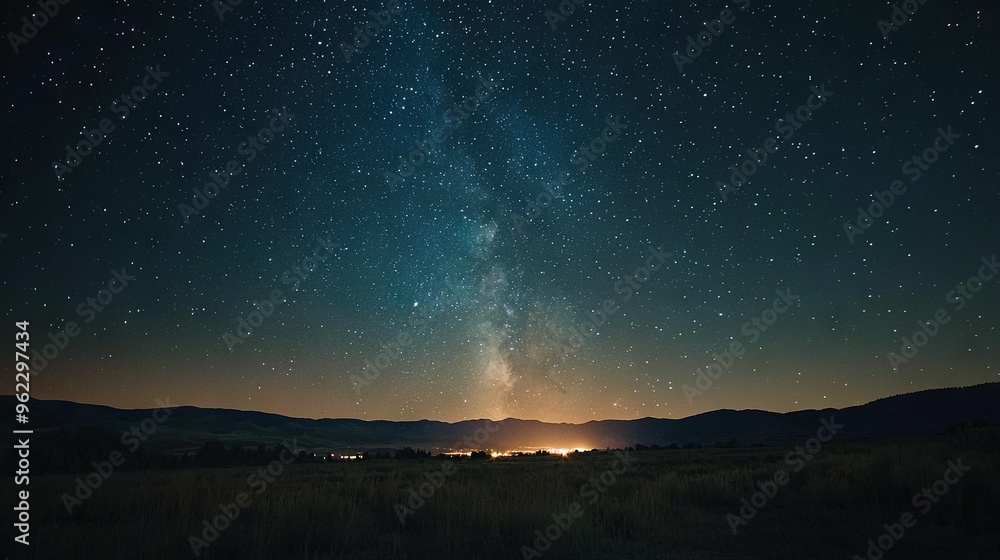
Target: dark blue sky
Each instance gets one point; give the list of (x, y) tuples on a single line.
[(466, 300)]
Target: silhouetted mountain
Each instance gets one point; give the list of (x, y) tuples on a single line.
[(923, 413)]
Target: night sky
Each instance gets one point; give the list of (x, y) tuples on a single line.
[(562, 167)]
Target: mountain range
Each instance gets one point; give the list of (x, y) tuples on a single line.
[(923, 413)]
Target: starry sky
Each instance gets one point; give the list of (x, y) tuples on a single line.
[(583, 159)]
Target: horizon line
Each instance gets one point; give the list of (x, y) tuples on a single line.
[(512, 417)]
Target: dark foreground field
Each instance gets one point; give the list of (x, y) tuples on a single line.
[(666, 504)]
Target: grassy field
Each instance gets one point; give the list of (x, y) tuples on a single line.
[(666, 504)]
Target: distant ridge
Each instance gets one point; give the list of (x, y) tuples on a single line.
[(921, 413)]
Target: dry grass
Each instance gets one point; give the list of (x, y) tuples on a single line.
[(669, 504)]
